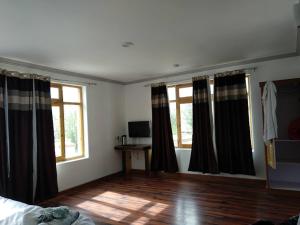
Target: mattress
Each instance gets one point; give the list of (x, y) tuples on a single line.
[(17, 213)]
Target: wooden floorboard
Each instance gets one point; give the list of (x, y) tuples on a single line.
[(179, 199)]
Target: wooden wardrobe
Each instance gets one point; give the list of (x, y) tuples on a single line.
[(286, 175)]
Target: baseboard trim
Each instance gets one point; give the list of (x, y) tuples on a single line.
[(205, 177), (91, 182)]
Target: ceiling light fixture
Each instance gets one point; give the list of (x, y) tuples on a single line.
[(127, 44)]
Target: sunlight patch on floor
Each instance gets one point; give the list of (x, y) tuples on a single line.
[(103, 210), (140, 221), (118, 207), (156, 209), (120, 200)]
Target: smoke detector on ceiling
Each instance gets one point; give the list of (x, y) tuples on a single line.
[(127, 44)]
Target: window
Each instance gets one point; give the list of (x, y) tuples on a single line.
[(67, 111), (181, 112)]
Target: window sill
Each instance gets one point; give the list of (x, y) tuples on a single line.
[(71, 161), (183, 149), (189, 149)]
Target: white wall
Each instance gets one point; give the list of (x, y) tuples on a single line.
[(110, 106), (105, 106), (138, 106), (104, 120)]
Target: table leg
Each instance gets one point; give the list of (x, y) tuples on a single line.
[(126, 161), (147, 162)]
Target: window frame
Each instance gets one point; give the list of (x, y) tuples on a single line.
[(180, 100), (60, 103)]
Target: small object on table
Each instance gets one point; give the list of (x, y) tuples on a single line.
[(123, 140)]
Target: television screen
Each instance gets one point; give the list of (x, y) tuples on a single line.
[(139, 129)]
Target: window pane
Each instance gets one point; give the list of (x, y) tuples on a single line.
[(186, 120), (172, 93), (73, 146), (57, 130), (54, 93), (211, 89), (249, 111), (173, 122), (212, 99), (247, 84), (185, 92), (71, 94)]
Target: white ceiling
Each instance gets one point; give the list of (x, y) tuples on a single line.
[(85, 36)]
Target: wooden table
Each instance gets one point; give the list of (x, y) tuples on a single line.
[(126, 155)]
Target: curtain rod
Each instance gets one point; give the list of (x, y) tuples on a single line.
[(186, 80), (41, 77), (74, 82)]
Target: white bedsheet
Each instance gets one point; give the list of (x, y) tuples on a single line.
[(16, 213)]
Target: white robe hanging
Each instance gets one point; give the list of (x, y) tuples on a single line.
[(269, 105), (270, 121)]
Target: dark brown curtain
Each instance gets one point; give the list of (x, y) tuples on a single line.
[(46, 185), (27, 155), (232, 125), (202, 156), (3, 149), (163, 151), (19, 96)]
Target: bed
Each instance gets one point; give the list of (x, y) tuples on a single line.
[(17, 213)]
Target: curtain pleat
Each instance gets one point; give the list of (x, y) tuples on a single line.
[(3, 146), (46, 186), (163, 150), (202, 155), (232, 125), (19, 97)]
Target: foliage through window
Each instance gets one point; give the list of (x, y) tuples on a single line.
[(67, 111), (181, 112)]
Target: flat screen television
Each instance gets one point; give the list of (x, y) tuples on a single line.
[(139, 129)]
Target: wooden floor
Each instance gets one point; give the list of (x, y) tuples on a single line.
[(179, 199)]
